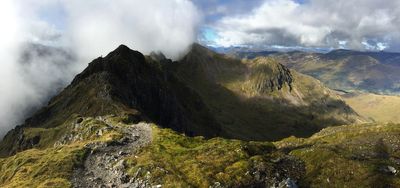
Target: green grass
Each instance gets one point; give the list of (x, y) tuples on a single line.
[(175, 160), (41, 168), (348, 156), (47, 165)]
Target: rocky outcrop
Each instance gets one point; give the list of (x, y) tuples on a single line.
[(159, 96), (267, 75)]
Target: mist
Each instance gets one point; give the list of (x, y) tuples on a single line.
[(42, 50)]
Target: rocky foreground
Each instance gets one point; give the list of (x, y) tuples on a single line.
[(104, 165)]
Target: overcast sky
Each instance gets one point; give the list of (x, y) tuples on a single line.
[(91, 28)]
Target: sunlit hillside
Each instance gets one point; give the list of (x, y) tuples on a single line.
[(381, 108)]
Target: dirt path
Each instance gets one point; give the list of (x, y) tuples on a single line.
[(104, 166)]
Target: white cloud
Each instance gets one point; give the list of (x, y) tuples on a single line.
[(93, 28), (28, 83), (96, 27), (317, 23)]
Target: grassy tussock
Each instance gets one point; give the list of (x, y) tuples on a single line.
[(175, 160), (349, 156)]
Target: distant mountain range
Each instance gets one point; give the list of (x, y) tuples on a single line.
[(346, 70)]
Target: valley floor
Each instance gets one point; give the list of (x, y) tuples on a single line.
[(380, 108)]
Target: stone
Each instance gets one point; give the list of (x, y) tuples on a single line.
[(392, 170), (99, 132), (389, 170)]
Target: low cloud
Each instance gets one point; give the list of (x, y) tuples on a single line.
[(41, 50), (358, 24), (99, 26)]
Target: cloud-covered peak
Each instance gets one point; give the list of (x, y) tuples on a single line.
[(82, 29), (156, 25)]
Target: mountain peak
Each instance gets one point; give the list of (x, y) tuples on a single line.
[(122, 47), (123, 82), (123, 51), (120, 61), (197, 48), (268, 75)]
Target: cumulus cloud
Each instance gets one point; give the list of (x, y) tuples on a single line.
[(40, 55), (98, 26), (356, 24), (214, 9)]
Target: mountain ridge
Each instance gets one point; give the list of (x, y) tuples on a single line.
[(163, 92), (121, 83), (224, 83), (142, 121)]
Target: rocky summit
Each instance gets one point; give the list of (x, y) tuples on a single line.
[(206, 120)]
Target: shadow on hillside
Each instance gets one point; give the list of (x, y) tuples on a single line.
[(260, 118)]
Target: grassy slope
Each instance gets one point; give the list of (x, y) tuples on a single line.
[(234, 96), (349, 156), (175, 160), (49, 165), (344, 156), (40, 168), (381, 108)]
